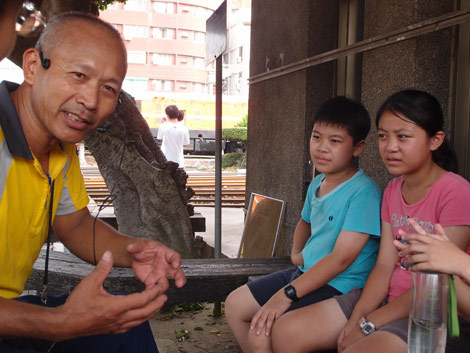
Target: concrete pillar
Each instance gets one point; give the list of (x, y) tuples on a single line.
[(421, 63), (280, 109)]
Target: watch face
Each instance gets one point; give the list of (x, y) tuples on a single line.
[(368, 328), (291, 293)]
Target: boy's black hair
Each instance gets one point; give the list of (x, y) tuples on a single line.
[(347, 113)]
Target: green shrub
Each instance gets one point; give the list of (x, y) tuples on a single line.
[(233, 160), (243, 122), (234, 134)]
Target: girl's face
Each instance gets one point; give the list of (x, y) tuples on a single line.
[(405, 147)]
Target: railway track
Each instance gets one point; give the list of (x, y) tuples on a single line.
[(233, 188)]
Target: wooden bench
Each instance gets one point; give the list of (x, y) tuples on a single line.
[(208, 280)]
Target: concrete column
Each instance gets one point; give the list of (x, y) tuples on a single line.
[(280, 109), (421, 63)]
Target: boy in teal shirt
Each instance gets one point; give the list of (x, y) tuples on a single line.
[(336, 239)]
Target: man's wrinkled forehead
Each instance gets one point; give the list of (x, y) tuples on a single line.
[(79, 31)]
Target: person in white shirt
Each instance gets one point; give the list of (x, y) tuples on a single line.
[(174, 134)]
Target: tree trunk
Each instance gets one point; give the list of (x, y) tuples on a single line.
[(150, 194)]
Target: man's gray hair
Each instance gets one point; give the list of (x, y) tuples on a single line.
[(51, 36)]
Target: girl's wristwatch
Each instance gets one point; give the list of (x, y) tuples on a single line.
[(367, 327)]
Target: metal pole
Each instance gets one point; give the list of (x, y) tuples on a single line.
[(218, 157)]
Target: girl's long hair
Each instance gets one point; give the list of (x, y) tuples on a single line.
[(425, 111)]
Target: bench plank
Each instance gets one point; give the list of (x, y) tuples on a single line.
[(208, 280)]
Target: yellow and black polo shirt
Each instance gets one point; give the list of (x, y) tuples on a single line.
[(25, 196)]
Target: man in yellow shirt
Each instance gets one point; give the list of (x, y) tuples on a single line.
[(72, 81)]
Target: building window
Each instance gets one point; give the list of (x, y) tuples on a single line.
[(163, 59), (184, 60), (185, 34), (199, 37), (131, 31), (199, 63), (136, 57), (183, 85), (164, 7), (186, 9), (162, 85), (137, 5), (131, 84), (202, 12), (163, 33), (198, 87)]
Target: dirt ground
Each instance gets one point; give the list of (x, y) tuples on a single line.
[(192, 328)]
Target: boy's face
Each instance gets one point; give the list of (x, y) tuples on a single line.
[(332, 148)]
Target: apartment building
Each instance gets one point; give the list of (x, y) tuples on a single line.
[(166, 43)]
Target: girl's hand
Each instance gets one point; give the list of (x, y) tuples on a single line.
[(431, 252), (348, 335), (269, 312)]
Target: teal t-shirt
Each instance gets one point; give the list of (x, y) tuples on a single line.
[(353, 206)]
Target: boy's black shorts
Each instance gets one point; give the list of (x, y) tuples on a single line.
[(265, 287)]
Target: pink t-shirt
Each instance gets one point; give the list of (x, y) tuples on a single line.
[(446, 203)]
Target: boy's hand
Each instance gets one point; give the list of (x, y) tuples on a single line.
[(264, 319)]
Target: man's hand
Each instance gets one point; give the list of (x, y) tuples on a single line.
[(269, 312), (153, 262), (90, 310)]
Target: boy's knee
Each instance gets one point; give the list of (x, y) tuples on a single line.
[(231, 304), (258, 343)]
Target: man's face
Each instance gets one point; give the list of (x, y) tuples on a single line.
[(81, 87)]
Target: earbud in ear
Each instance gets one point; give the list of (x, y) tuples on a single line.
[(44, 62)]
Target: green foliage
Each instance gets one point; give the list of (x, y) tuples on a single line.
[(236, 160), (243, 122), (234, 134), (103, 4), (182, 335)]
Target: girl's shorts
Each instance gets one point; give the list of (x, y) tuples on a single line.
[(265, 287), (348, 301)]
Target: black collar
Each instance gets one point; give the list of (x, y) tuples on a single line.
[(11, 126)]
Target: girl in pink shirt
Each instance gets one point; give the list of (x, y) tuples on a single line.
[(413, 146)]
